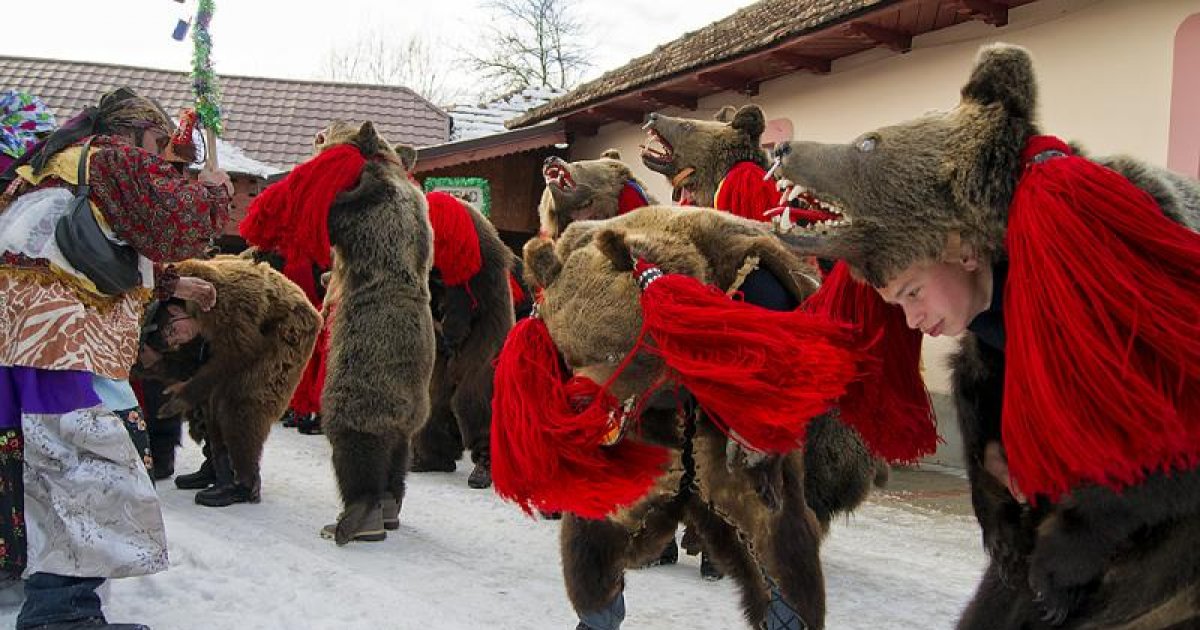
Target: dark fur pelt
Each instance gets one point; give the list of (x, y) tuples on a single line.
[(752, 520), (260, 335), (753, 515), (382, 344), (461, 387), (1098, 558)]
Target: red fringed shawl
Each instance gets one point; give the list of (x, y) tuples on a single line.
[(889, 407), (292, 215), (760, 375), (455, 242), (744, 192), (549, 434), (1102, 317), (631, 198)]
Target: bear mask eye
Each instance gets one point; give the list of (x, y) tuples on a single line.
[(868, 144)]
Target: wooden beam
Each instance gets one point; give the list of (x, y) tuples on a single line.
[(797, 61), (620, 114), (990, 12), (729, 80), (897, 41), (663, 97), (581, 128)]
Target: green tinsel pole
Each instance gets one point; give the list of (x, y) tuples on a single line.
[(204, 80)]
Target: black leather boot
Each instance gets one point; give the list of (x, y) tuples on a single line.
[(200, 479), (225, 491), (481, 475), (223, 495)]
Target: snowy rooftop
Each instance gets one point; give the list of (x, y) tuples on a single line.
[(475, 121), (233, 160)]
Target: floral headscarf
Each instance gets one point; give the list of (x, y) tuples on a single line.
[(23, 117)]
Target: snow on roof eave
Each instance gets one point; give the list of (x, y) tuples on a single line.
[(233, 160)]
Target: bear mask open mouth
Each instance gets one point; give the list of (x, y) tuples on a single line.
[(801, 209), (657, 153), (556, 173), (805, 221)]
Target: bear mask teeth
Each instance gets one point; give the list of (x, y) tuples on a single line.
[(657, 148), (558, 175), (800, 209)]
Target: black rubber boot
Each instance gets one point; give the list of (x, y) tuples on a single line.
[(200, 479), (223, 495), (164, 459), (224, 491), (481, 475), (708, 570), (310, 424)]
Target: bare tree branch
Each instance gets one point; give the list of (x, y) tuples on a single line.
[(531, 43), (376, 57)]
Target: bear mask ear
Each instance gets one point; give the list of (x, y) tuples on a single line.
[(726, 114), (408, 156), (750, 121), (611, 154), (368, 140), (542, 264), (1003, 74)]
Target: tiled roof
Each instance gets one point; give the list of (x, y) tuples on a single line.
[(748, 30), (273, 120)]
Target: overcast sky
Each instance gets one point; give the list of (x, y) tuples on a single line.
[(290, 38)]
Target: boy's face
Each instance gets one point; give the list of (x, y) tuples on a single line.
[(179, 327), (939, 298)]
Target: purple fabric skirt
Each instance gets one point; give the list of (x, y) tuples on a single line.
[(33, 390)]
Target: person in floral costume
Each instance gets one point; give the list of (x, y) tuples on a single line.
[(66, 348)]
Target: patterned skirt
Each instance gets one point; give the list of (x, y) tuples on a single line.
[(12, 505)]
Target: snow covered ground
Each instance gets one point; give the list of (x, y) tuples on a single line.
[(463, 559)]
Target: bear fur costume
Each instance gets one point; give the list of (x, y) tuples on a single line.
[(1096, 557), (838, 468), (698, 156), (753, 516), (259, 336), (588, 190), (472, 316), (382, 345), (473, 319)]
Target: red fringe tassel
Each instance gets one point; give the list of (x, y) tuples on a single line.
[(890, 408), (292, 215), (548, 431), (759, 374), (1102, 311), (455, 242)]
